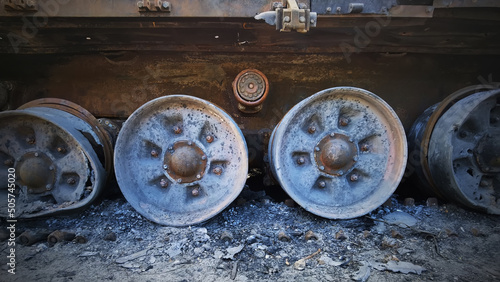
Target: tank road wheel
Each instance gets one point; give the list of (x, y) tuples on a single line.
[(340, 153), (464, 152), (180, 160), (58, 160)]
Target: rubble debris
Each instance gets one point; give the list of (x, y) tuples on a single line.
[(363, 273), (132, 256), (226, 236), (301, 263), (340, 235), (310, 236), (404, 267), (395, 234), (110, 236), (88, 254), (233, 251), (283, 237), (400, 219), (29, 237), (234, 271), (60, 236), (432, 202), (409, 202), (290, 203)]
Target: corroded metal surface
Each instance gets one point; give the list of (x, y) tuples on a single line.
[(56, 165), (180, 160), (464, 154), (339, 153)]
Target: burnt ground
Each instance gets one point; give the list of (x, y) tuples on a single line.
[(259, 238)]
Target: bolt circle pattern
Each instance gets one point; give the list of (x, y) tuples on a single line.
[(250, 87), (345, 182), (203, 168), (49, 148), (464, 153)]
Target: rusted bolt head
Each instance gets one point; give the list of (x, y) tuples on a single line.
[(8, 162), (209, 138), (365, 148), (163, 183), (195, 192), (321, 184), (354, 177), (217, 170), (71, 181), (177, 130), (483, 183), (61, 150), (30, 140), (343, 121), (311, 129), (154, 153), (301, 160)]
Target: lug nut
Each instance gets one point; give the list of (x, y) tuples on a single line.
[(204, 157), (217, 170), (195, 192), (154, 153), (354, 177), (321, 167), (341, 173), (30, 140), (179, 180), (286, 19), (301, 160), (311, 129), (198, 176), (165, 166), (343, 121), (177, 130), (321, 184), (209, 138), (332, 135), (61, 150), (365, 148), (317, 149), (71, 181), (8, 162), (36, 154), (484, 183), (163, 183), (48, 187), (190, 143)]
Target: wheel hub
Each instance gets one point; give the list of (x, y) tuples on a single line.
[(185, 162), (335, 154), (36, 171)]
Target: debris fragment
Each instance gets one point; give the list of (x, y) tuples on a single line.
[(110, 236), (88, 254), (340, 235), (28, 237), (324, 259), (409, 202), (290, 203), (234, 271), (283, 237), (310, 236), (404, 267), (395, 234), (132, 256), (400, 219), (60, 236), (226, 236), (363, 274), (301, 263), (432, 202), (233, 251)]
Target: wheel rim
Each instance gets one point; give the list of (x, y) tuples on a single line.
[(57, 167), (463, 153), (340, 153), (180, 160)]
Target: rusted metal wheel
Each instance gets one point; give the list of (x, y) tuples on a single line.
[(58, 160), (340, 153), (464, 152), (180, 160)]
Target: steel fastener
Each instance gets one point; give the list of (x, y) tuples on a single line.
[(163, 183), (317, 149), (165, 166), (321, 184), (61, 150), (154, 153), (301, 160), (195, 192), (198, 176), (217, 170), (354, 177), (204, 157), (311, 129), (48, 187), (209, 138), (343, 121), (365, 148), (71, 181), (177, 130)]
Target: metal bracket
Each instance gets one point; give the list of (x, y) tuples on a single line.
[(154, 6), (21, 5), (289, 15)]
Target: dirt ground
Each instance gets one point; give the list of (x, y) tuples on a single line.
[(260, 239)]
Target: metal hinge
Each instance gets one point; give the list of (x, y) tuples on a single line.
[(154, 6), (289, 15)]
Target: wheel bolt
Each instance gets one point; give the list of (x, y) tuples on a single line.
[(165, 166), (8, 162), (198, 176), (195, 192), (341, 173), (484, 183), (355, 158), (190, 143), (48, 187), (343, 121), (354, 177), (71, 181), (177, 130), (61, 150), (163, 183), (332, 135), (317, 149), (311, 129), (321, 167), (301, 160), (51, 167), (217, 170), (209, 138), (321, 184), (203, 157), (179, 180), (36, 154), (154, 153), (365, 148), (30, 140)]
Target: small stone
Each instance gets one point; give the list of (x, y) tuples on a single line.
[(259, 253), (300, 264), (409, 202), (218, 254), (476, 232), (340, 235), (450, 232), (310, 236), (389, 243), (401, 219), (283, 237), (366, 234), (432, 202), (226, 236), (396, 234), (110, 236), (388, 203), (290, 203), (251, 239)]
